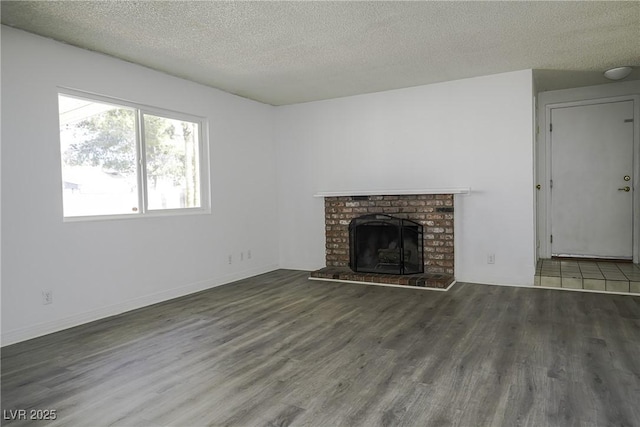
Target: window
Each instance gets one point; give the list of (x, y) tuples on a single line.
[(123, 159)]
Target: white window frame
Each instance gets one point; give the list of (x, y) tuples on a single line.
[(140, 110)]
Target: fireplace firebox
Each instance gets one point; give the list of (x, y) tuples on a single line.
[(385, 244)]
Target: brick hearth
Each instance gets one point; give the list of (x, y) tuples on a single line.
[(427, 280)]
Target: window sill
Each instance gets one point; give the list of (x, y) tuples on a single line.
[(137, 216)]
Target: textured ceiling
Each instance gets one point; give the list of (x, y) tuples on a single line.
[(290, 52)]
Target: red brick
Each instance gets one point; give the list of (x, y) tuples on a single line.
[(438, 227)]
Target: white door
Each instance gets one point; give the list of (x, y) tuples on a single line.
[(591, 169)]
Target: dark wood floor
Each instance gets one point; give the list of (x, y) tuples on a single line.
[(280, 350)]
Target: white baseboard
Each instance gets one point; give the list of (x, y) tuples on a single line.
[(512, 285), (37, 330)]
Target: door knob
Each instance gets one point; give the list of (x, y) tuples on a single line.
[(627, 189)]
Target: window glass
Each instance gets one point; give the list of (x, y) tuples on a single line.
[(98, 147), (172, 167)]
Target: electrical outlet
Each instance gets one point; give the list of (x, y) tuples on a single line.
[(230, 259), (249, 254), (47, 296), (491, 259)]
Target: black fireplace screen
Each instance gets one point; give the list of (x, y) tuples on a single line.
[(385, 244)]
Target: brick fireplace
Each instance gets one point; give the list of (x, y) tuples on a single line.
[(433, 211)]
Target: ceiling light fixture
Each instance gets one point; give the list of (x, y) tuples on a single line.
[(617, 73)]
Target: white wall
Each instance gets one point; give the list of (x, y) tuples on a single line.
[(555, 97), (474, 133), (100, 268), (469, 133)]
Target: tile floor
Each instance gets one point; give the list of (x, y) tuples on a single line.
[(589, 275)]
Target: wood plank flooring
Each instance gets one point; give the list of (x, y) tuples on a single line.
[(279, 350)]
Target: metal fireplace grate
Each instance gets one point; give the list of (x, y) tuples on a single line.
[(385, 244)]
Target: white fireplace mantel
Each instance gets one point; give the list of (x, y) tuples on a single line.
[(456, 190)]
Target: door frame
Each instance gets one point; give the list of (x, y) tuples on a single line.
[(545, 181)]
